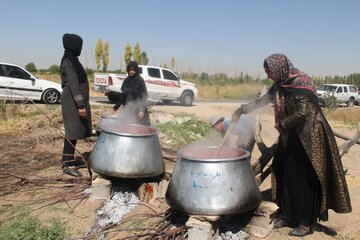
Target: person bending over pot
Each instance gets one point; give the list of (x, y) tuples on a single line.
[(307, 169), (243, 130)]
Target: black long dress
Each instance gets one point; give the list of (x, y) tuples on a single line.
[(296, 178), (75, 90)]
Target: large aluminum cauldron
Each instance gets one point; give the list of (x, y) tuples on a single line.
[(213, 181), (128, 151), (105, 119)]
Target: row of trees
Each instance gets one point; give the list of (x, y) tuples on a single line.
[(221, 78), (102, 55), (102, 61)]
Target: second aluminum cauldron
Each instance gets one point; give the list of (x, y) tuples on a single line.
[(212, 181), (105, 119), (127, 151)]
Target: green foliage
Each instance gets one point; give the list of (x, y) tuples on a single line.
[(222, 79), (98, 53), (144, 59), (330, 100), (102, 55), (89, 71), (183, 130), (31, 67), (137, 53), (20, 225), (54, 68), (3, 110), (106, 57), (172, 63), (353, 79), (127, 54)]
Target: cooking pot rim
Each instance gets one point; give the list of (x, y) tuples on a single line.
[(182, 154), (110, 115), (106, 129)]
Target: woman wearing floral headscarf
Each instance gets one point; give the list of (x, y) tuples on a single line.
[(307, 169)]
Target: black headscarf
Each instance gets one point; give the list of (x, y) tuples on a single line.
[(73, 45), (134, 87)]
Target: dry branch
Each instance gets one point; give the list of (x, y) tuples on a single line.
[(344, 148)]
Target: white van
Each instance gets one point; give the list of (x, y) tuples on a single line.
[(161, 83)]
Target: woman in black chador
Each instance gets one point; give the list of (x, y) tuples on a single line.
[(134, 96), (74, 101)]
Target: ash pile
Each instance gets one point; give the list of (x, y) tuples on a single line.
[(122, 201)]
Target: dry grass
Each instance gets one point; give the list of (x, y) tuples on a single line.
[(49, 76), (345, 115), (243, 91), (28, 116)]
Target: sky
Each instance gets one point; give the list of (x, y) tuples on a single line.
[(320, 37)]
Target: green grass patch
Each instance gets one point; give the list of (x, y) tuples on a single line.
[(183, 130), (19, 224)]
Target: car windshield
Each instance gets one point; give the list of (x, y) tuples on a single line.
[(328, 88)]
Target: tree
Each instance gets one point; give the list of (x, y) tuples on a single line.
[(54, 68), (99, 53), (172, 63), (354, 78), (105, 57), (127, 54), (31, 67), (102, 55), (137, 53), (144, 59)]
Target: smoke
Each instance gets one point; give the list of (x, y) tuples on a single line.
[(130, 112), (241, 135)]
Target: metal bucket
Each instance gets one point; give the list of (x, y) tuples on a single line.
[(127, 151), (212, 181)]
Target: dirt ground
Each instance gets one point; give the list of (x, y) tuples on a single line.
[(30, 173)]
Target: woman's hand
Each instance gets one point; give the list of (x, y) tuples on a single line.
[(82, 112), (236, 115), (234, 118)]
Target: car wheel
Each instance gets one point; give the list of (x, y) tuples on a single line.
[(51, 96), (350, 102), (187, 99)]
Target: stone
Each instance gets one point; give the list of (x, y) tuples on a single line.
[(201, 228), (148, 192), (163, 185), (100, 189), (259, 224)]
